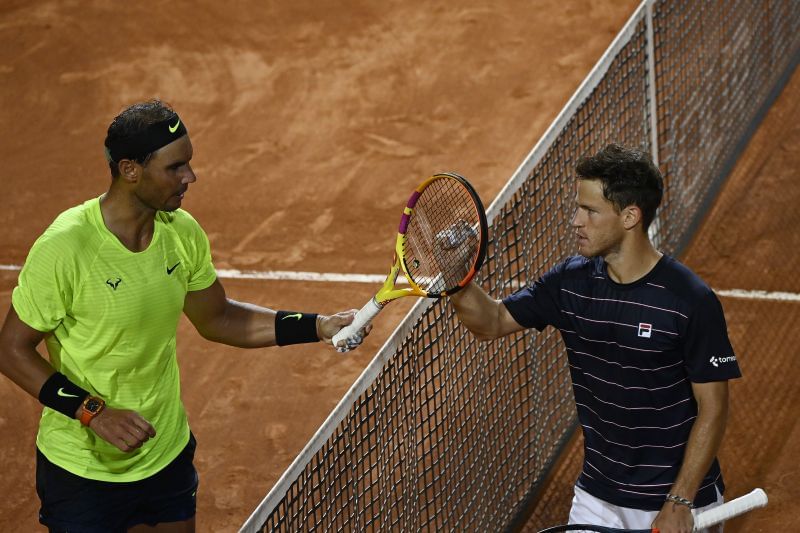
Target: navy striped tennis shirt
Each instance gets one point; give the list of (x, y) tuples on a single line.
[(633, 352)]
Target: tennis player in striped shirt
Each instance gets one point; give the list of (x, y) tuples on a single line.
[(648, 352)]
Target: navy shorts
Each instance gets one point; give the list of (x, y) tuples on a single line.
[(76, 504)]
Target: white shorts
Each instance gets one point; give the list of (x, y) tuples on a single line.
[(586, 509)]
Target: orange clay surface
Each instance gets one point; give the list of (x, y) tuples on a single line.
[(310, 122)]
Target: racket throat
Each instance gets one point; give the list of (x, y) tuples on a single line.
[(378, 303), (386, 294)]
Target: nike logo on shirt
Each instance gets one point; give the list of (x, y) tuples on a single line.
[(169, 270)]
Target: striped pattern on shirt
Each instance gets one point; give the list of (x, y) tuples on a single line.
[(634, 351)]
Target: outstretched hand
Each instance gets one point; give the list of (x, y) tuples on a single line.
[(455, 250), (329, 325), (125, 429)]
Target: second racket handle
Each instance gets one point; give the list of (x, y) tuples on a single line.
[(753, 500), (363, 317)]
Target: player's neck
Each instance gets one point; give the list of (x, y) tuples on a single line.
[(125, 217), (633, 260)]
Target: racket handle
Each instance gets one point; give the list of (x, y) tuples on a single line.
[(363, 317), (755, 499)]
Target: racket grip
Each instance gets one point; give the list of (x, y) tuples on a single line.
[(755, 499), (363, 317)]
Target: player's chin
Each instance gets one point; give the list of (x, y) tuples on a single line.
[(583, 248), (172, 204), (587, 252)]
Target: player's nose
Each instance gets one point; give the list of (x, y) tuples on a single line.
[(188, 175), (576, 219)]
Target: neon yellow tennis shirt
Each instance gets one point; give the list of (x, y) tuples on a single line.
[(112, 318)]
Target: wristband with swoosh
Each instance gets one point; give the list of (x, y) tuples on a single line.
[(292, 327), (62, 395)]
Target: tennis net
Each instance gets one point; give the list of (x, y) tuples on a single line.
[(442, 432)]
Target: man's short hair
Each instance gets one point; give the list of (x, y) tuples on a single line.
[(629, 177), (133, 120)]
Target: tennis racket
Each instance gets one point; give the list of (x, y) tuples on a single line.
[(755, 499), (440, 245)]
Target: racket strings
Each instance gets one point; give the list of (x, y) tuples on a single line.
[(442, 237)]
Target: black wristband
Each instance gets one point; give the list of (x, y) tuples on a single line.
[(292, 327), (62, 395)]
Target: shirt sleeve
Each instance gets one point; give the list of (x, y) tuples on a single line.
[(202, 273), (708, 354), (43, 295), (536, 306)]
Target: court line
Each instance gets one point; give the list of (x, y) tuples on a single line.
[(300, 276), (760, 295), (280, 275), (333, 277)]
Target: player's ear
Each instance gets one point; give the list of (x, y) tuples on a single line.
[(129, 170), (631, 216)]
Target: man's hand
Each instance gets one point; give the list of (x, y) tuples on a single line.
[(674, 518), (125, 429), (329, 325), (455, 251)]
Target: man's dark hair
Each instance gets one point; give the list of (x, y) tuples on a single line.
[(629, 177), (132, 120)]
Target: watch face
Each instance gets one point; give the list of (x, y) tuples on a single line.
[(92, 405)]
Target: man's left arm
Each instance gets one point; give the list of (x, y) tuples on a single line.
[(220, 319), (704, 442)]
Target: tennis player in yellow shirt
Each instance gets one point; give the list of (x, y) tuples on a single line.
[(104, 287)]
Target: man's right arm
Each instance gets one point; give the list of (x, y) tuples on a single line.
[(19, 359), (21, 362), (482, 315)]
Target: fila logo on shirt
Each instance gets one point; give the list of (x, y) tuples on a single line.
[(645, 330), (717, 360)]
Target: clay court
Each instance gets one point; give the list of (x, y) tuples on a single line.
[(310, 124)]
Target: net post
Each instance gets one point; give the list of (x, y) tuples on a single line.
[(654, 232), (651, 83)]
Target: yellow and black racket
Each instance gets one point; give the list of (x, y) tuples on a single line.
[(440, 245)]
